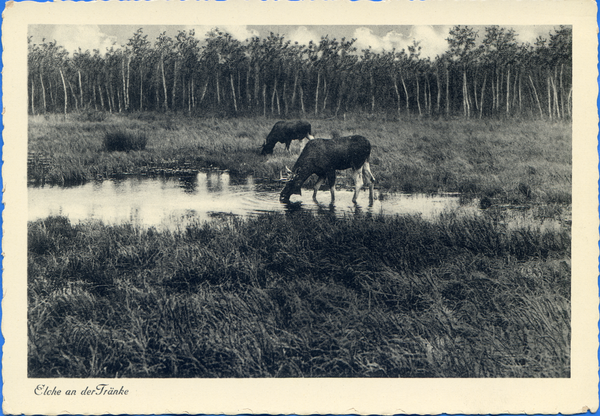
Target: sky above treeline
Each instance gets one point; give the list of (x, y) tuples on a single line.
[(379, 37)]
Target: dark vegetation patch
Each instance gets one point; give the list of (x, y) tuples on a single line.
[(124, 141), (300, 295)]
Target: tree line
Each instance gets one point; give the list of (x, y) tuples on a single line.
[(487, 74)]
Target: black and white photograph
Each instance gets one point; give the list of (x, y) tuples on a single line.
[(299, 202)]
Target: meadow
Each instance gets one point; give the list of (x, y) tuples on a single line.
[(302, 294), (509, 162)]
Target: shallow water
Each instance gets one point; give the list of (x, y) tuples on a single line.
[(174, 202)]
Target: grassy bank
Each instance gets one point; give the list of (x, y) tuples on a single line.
[(515, 162), (299, 295)]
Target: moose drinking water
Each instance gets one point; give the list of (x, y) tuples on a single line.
[(323, 157)]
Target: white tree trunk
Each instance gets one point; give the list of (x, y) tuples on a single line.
[(32, 97), (536, 97), (64, 88), (164, 82), (233, 92)]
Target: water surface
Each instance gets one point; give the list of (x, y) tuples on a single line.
[(176, 201)]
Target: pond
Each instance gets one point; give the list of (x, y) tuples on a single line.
[(172, 202)]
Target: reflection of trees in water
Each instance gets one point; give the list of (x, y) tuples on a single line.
[(188, 184), (219, 181), (119, 183), (135, 216), (239, 180), (213, 182)]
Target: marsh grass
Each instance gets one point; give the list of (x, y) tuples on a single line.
[(300, 295), (516, 162), (124, 141)]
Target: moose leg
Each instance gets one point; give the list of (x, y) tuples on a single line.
[(371, 192), (367, 171), (318, 186), (331, 177), (370, 179), (358, 182)]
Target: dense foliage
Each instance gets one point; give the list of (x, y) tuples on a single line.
[(495, 76)]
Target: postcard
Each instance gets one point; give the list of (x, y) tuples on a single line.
[(331, 207)]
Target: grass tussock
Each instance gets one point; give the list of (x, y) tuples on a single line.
[(521, 162), (300, 295), (124, 141)]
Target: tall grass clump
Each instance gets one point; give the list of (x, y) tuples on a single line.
[(300, 295), (124, 141)]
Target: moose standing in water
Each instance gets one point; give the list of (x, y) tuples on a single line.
[(285, 132), (323, 157)]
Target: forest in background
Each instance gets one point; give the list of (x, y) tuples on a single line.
[(495, 76)]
